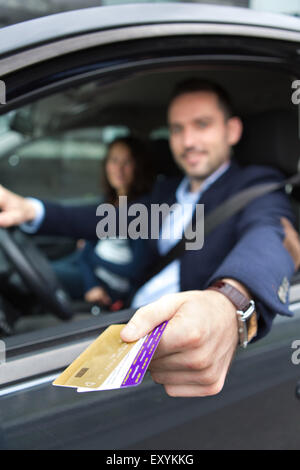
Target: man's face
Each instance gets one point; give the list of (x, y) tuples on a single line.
[(200, 134)]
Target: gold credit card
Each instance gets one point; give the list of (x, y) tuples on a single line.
[(96, 363), (110, 363)]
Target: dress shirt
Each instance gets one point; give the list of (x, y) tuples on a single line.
[(168, 280)]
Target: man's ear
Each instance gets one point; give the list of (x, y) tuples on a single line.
[(235, 130)]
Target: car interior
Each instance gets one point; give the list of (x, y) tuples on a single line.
[(52, 149)]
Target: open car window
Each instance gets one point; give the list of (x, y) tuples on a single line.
[(52, 147)]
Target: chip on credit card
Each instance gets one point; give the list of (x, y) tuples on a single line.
[(110, 363)]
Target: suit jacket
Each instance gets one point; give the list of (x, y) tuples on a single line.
[(247, 247)]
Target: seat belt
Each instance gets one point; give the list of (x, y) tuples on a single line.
[(224, 211)]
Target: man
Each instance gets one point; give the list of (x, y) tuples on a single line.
[(246, 253)]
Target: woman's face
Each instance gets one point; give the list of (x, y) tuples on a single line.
[(120, 167)]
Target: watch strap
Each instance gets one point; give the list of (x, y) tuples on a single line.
[(247, 325)]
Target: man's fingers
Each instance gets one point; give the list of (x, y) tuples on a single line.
[(15, 209), (148, 317), (190, 391), (205, 377), (289, 229), (205, 382), (8, 219), (285, 222), (184, 360)]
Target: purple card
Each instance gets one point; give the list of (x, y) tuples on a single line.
[(142, 360)]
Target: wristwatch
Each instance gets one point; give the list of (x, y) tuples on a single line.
[(246, 314)]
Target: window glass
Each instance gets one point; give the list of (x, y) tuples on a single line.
[(160, 133)]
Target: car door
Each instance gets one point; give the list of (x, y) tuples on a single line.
[(258, 407)]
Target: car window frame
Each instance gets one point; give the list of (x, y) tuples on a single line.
[(19, 61)]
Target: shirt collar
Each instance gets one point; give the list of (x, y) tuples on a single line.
[(183, 194)]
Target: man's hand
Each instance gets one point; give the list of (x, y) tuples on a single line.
[(198, 344), (97, 295), (15, 209), (291, 241)]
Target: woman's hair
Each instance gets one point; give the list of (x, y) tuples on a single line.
[(143, 174)]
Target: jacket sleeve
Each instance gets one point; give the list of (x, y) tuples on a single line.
[(79, 221), (259, 260), (70, 221)]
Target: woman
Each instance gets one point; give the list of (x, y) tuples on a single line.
[(106, 270)]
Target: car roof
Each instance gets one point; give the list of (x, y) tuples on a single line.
[(66, 24)]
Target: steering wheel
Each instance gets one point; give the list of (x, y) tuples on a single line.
[(36, 271)]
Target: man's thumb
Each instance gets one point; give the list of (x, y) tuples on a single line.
[(148, 317)]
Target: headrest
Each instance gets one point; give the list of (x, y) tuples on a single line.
[(271, 138)]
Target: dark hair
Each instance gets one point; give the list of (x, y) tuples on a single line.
[(194, 85), (143, 174)]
